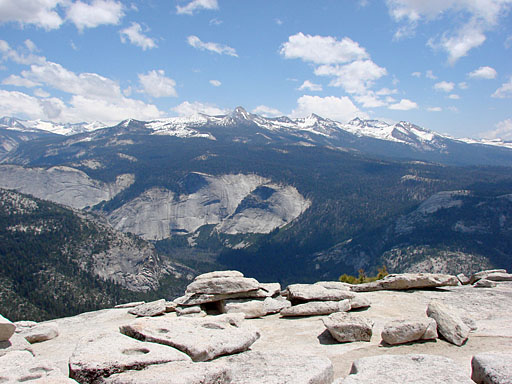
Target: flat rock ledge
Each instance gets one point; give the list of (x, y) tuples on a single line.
[(346, 327), (449, 324), (40, 332), (408, 281), (279, 368), (202, 339), (101, 355), (316, 308), (492, 368), (15, 343), (406, 331), (154, 308), (399, 369), (299, 293)]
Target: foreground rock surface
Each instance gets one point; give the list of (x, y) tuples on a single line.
[(279, 368), (15, 343), (449, 324), (418, 369), (492, 368), (408, 281), (101, 355), (202, 339)]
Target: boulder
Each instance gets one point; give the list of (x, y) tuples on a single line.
[(408, 281), (223, 285), (194, 311), (24, 325), (6, 329), (346, 327), (399, 369), (484, 283), (21, 367), (217, 274), (103, 354), (405, 331), (492, 368), (201, 338), (129, 305), (265, 290), (483, 274), (279, 368), (499, 276), (40, 332), (271, 305), (449, 324), (298, 293), (334, 285), (175, 373), (153, 308), (463, 279), (359, 302), (15, 343), (251, 309), (316, 308), (170, 306)]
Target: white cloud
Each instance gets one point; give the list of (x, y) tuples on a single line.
[(322, 49), (30, 45), (335, 108), (445, 86), (483, 73), (463, 85), (196, 5), (98, 12), (434, 109), (221, 49), (19, 81), (454, 96), (156, 84), (308, 85), (41, 93), (18, 56), (458, 45), (215, 83), (187, 109), (416, 74), (504, 91), (503, 131), (430, 75), (134, 34), (19, 104), (263, 110), (41, 13), (404, 105), (386, 92), (370, 100), (355, 77)]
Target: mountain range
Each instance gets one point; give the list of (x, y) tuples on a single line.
[(280, 199)]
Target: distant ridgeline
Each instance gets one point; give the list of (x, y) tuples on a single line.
[(281, 200)]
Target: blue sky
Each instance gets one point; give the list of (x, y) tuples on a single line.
[(443, 64)]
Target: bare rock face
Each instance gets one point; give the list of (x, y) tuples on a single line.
[(63, 185), (21, 367), (485, 274), (15, 343), (202, 339), (359, 302), (334, 285), (449, 324), (408, 281), (223, 285), (279, 368), (405, 331), (154, 308), (217, 274), (313, 292), (492, 368), (40, 332), (256, 308), (484, 283), (399, 369), (316, 308), (346, 327), (175, 373), (6, 329), (103, 354), (463, 278), (129, 305)]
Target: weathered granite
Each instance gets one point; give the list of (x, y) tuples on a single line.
[(449, 324), (359, 302), (406, 331), (463, 279), (217, 274), (130, 305), (15, 343), (316, 308), (334, 285), (484, 283), (492, 368), (40, 332), (408, 281), (6, 329), (483, 274), (298, 293), (153, 308), (223, 285), (194, 311), (346, 327)]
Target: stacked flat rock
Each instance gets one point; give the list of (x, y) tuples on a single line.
[(202, 339), (408, 281), (491, 274), (406, 331), (399, 369)]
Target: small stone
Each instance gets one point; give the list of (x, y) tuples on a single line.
[(334, 285), (406, 331), (464, 280), (130, 305), (23, 325), (251, 309), (6, 329), (492, 368), (359, 302), (449, 324), (316, 308), (154, 308), (271, 305), (484, 283), (346, 327), (194, 311), (170, 306), (40, 333)]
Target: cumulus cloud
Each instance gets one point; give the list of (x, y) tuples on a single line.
[(196, 5), (355, 77), (434, 109), (221, 49), (263, 110), (335, 108), (322, 49), (454, 96), (41, 13), (215, 83), (416, 74), (156, 84), (504, 91), (463, 85), (98, 12), (310, 86), (483, 73), (430, 75), (134, 35), (404, 105), (370, 100), (187, 109), (503, 131), (445, 86), (18, 56), (459, 44)]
